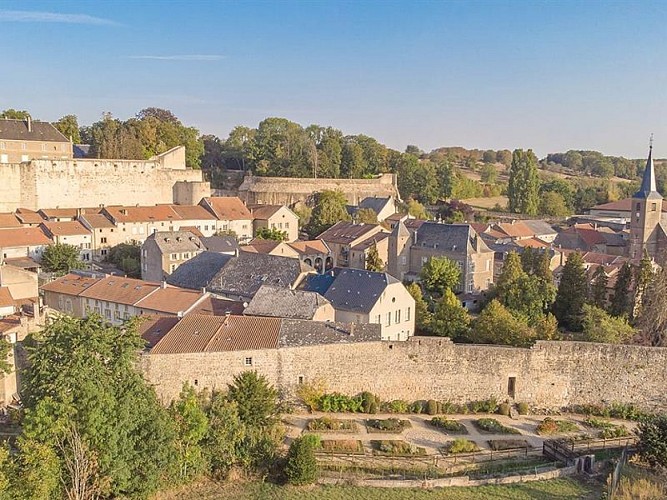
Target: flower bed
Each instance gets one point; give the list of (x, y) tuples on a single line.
[(387, 425), (492, 426), (450, 426), (460, 445), (549, 426), (508, 444), (607, 430), (396, 448), (349, 446), (327, 424)]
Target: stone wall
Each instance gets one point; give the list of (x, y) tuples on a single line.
[(550, 374), (90, 183), (290, 190)]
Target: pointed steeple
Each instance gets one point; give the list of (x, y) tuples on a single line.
[(648, 188)]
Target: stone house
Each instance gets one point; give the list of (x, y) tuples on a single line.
[(270, 247), (23, 242), (382, 206), (25, 140), (343, 236), (117, 299), (408, 252), (71, 233), (104, 234), (367, 297), (359, 252), (278, 302), (231, 214), (195, 216), (276, 217), (164, 251), (314, 253)]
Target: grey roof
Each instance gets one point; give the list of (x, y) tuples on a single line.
[(17, 130), (374, 203), (243, 275), (297, 333), (81, 150), (176, 241), (447, 237), (284, 303), (319, 283), (400, 230), (220, 244), (353, 290), (648, 189), (198, 272), (540, 227)]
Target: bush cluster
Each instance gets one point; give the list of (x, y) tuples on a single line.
[(614, 410), (549, 426), (330, 424), (301, 466), (461, 445), (396, 448), (387, 425), (492, 426), (451, 426), (607, 430)]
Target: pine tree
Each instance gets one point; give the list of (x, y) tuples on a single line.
[(528, 260), (598, 295), (450, 318), (373, 260), (522, 189), (510, 273), (643, 278), (572, 293), (542, 265), (621, 302)]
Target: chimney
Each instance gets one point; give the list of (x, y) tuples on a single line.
[(164, 285), (351, 329), (29, 124)]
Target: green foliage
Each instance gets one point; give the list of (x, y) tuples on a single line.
[(522, 190), (15, 114), (432, 407), (391, 425), (572, 293), (653, 313), (497, 325), (423, 316), (301, 467), (38, 471), (607, 430), (370, 403), (598, 290), (504, 409), (553, 204), (507, 444), (226, 435), (331, 424), (549, 426), (366, 216), (192, 427), (256, 399), (461, 445), (450, 318), (373, 260), (68, 126), (330, 207), (523, 408), (599, 326), (264, 233), (83, 373), (417, 210), (644, 275), (60, 258), (483, 406), (396, 406), (337, 402), (396, 448), (492, 426), (439, 274), (489, 174), (311, 393), (127, 257), (653, 440), (621, 301), (451, 426)]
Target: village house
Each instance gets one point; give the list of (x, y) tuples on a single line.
[(383, 206), (270, 247), (277, 217), (117, 299), (71, 233), (197, 217), (279, 302), (28, 218), (103, 233), (164, 251), (314, 253), (25, 140), (232, 216), (343, 236), (367, 297), (23, 242)]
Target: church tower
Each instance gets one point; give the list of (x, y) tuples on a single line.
[(646, 211)]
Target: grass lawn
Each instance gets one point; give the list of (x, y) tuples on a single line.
[(554, 489)]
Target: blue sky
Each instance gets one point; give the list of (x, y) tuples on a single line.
[(550, 76)]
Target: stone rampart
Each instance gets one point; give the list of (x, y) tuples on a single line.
[(550, 374), (291, 190)]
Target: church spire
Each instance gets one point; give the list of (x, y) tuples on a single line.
[(648, 188)]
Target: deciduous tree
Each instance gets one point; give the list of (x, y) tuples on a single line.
[(264, 233), (450, 318), (439, 274), (423, 316), (522, 190), (599, 326), (68, 126), (60, 258), (330, 207), (497, 325)]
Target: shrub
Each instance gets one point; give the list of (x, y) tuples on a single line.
[(311, 393), (523, 408), (342, 446), (417, 407), (549, 426), (373, 407), (461, 445), (449, 408), (368, 399), (483, 406), (336, 402), (507, 444), (652, 439), (492, 426), (392, 425), (331, 424), (396, 448), (432, 407), (301, 466), (451, 426), (607, 429), (504, 409), (397, 406)]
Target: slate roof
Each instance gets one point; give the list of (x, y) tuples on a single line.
[(220, 244), (298, 333), (176, 241), (284, 303), (198, 272), (376, 204), (352, 290), (17, 130), (81, 150), (214, 306), (540, 227), (447, 237), (264, 212), (344, 232), (244, 275)]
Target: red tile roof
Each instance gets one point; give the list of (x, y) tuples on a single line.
[(97, 221), (310, 247), (23, 237), (9, 220), (264, 212), (192, 212), (6, 299), (142, 214), (27, 216), (170, 300), (119, 290), (515, 229), (70, 228), (153, 328), (228, 208), (622, 205), (70, 284)]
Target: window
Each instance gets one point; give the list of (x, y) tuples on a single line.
[(404, 260), (68, 305), (300, 379), (145, 252), (407, 315), (23, 145), (186, 256), (107, 313), (60, 301), (424, 260), (172, 267), (286, 225), (511, 387), (43, 147), (488, 265), (205, 228), (388, 323), (654, 207), (378, 320), (247, 362), (273, 225), (116, 315), (397, 316), (173, 256), (103, 252), (126, 315), (639, 207)]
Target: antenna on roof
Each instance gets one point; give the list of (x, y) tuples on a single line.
[(650, 141)]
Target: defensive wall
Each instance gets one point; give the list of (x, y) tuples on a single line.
[(88, 182), (290, 190), (548, 375)]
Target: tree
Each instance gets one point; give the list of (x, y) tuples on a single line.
[(643, 278), (330, 207), (621, 301), (653, 440), (61, 258), (652, 319), (257, 400), (225, 436), (68, 126), (528, 297), (366, 216), (599, 326), (511, 271), (15, 114), (423, 316), (417, 210), (497, 325), (489, 156), (191, 428), (373, 260), (572, 293), (264, 233), (301, 466), (553, 204), (522, 190), (450, 318), (439, 274), (598, 291), (126, 257), (489, 174), (84, 372)]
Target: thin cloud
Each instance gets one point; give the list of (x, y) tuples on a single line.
[(30, 16), (183, 57)]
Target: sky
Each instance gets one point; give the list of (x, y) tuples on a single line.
[(550, 76)]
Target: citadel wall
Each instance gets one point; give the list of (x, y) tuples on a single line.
[(290, 190), (550, 374)]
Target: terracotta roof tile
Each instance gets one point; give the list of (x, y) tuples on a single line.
[(623, 205), (6, 299), (23, 237), (264, 212), (69, 228), (170, 300), (228, 208), (119, 290), (516, 229), (27, 216), (310, 247), (97, 221), (71, 284), (59, 212), (192, 212), (9, 220), (213, 306), (153, 328), (142, 214)]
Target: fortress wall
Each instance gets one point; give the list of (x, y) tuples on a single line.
[(551, 374), (290, 190), (10, 186)]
